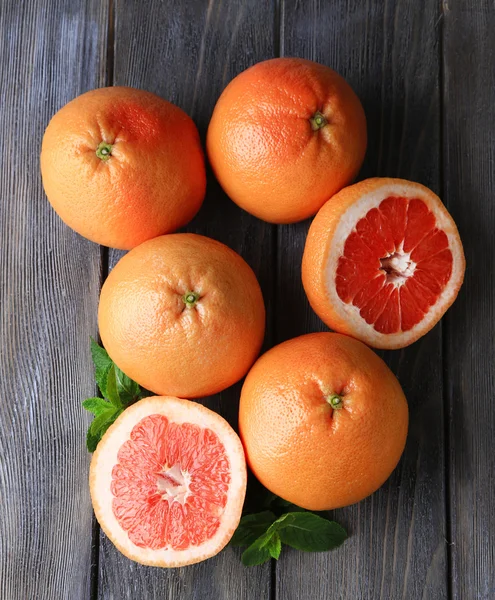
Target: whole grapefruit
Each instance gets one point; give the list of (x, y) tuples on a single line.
[(121, 166), (182, 315), (323, 420), (285, 135)]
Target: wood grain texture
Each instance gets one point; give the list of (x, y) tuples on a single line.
[(187, 53), (389, 53), (469, 154), (50, 51)]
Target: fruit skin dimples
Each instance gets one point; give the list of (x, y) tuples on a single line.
[(285, 135), (121, 166), (182, 315), (323, 420)]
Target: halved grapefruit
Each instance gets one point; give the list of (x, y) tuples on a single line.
[(383, 261), (168, 482)]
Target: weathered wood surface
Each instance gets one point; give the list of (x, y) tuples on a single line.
[(425, 73), (469, 183), (388, 51), (187, 53), (50, 51)]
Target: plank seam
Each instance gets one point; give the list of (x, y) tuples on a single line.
[(444, 328), (104, 258), (278, 51)]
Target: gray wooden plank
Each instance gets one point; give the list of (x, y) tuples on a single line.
[(388, 51), (187, 53), (50, 51), (469, 155)]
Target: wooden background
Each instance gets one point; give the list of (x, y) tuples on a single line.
[(425, 71)]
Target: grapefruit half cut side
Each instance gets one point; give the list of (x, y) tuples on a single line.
[(383, 261), (168, 481)]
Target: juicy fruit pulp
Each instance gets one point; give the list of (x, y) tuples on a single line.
[(168, 481), (170, 484), (396, 263), (383, 261)]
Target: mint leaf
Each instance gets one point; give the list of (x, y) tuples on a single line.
[(275, 546), (129, 391), (119, 391), (102, 420), (251, 527), (269, 499), (309, 532), (99, 425), (92, 441), (277, 504), (96, 405), (102, 363), (258, 552), (265, 534), (112, 390)]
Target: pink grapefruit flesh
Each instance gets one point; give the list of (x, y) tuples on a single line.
[(168, 482), (395, 265), (383, 261)]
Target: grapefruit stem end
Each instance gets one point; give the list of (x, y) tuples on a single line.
[(335, 401), (190, 299), (104, 151), (318, 121)]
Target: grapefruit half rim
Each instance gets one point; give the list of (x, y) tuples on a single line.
[(387, 262), (168, 482)]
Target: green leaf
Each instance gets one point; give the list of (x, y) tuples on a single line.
[(275, 546), (102, 363), (251, 527), (287, 506), (118, 389), (309, 532), (99, 425), (269, 499), (258, 552), (145, 393), (92, 441), (112, 390), (96, 405), (276, 503), (129, 391)]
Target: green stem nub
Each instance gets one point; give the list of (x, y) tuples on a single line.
[(190, 299), (104, 151), (335, 401), (318, 121)]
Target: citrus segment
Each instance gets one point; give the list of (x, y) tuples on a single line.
[(383, 261), (168, 482), (395, 264)]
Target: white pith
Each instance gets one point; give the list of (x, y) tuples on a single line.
[(401, 265), (174, 483), (347, 223), (105, 458)]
